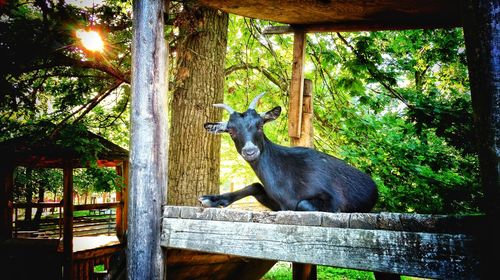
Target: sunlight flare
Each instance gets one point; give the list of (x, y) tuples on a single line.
[(91, 40)]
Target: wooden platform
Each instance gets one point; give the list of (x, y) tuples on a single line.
[(189, 265), (408, 244), (348, 15)]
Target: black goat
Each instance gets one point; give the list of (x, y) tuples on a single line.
[(292, 178)]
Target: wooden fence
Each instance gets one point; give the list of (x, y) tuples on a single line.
[(432, 246), (84, 262), (100, 220)]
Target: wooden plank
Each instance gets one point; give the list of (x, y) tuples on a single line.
[(124, 202), (148, 141), (353, 27), (392, 13), (297, 85), (306, 138), (450, 256), (375, 221), (305, 271), (68, 221), (482, 40), (98, 252), (107, 205), (37, 204), (120, 231)]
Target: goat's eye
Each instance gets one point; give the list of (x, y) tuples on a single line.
[(232, 132)]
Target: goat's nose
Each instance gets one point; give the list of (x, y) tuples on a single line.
[(249, 151)]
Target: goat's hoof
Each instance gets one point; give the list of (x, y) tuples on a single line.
[(212, 201)]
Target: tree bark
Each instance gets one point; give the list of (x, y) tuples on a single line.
[(39, 210), (194, 155)]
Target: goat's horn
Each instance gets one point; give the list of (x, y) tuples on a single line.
[(224, 106), (255, 101)]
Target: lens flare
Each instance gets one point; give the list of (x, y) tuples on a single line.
[(91, 40)]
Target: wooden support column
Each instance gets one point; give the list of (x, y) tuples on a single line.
[(148, 141), (121, 197), (305, 271), (297, 85), (125, 194), (6, 190), (482, 40), (68, 221), (306, 132)]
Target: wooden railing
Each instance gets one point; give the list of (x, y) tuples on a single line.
[(84, 262), (95, 223), (444, 247)]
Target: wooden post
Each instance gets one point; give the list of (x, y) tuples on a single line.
[(297, 85), (124, 196), (6, 189), (119, 209), (482, 40), (148, 141), (121, 197), (68, 221), (306, 132), (305, 271)]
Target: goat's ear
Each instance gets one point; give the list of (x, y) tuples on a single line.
[(272, 114), (216, 128)]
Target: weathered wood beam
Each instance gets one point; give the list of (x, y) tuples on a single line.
[(355, 27), (306, 138), (301, 271), (125, 194), (297, 85), (106, 205), (482, 40), (305, 271), (119, 209), (97, 252), (374, 221), (121, 198), (68, 221), (435, 246), (148, 141)]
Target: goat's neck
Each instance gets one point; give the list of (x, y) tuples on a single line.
[(268, 160)]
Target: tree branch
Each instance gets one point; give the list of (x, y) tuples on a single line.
[(374, 72), (88, 107), (265, 72)]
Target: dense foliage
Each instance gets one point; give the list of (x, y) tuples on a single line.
[(394, 104)]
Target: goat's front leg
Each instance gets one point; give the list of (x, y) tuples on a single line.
[(226, 199)]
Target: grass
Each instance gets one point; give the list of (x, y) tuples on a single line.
[(81, 213), (283, 271), (99, 268)]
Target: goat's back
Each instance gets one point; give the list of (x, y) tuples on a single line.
[(320, 174)]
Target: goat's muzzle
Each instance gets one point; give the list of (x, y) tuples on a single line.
[(250, 152)]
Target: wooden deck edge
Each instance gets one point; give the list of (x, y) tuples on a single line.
[(423, 254), (376, 221)]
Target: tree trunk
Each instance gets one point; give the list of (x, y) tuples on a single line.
[(39, 210), (194, 155)]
